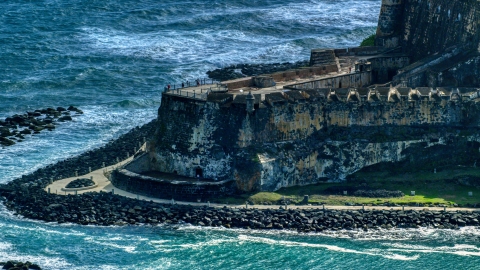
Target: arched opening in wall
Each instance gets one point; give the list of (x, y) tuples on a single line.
[(339, 84), (175, 172), (199, 172)]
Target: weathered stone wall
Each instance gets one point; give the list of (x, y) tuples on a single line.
[(389, 23), (184, 139), (464, 73), (434, 25), (296, 137), (239, 83), (320, 57), (384, 68), (423, 27), (454, 67)]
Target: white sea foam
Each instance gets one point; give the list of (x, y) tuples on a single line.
[(460, 250), (8, 251), (324, 246), (126, 248), (168, 246), (328, 13)]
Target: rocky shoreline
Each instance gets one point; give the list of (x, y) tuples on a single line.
[(26, 197)]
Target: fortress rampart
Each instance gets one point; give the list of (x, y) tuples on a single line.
[(282, 142), (412, 101)]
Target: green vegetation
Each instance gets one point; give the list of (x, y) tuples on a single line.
[(444, 187), (369, 41), (255, 158)]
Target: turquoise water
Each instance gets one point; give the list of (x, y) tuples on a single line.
[(111, 59)]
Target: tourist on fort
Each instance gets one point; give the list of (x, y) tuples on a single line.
[(198, 82), (183, 85), (168, 87)]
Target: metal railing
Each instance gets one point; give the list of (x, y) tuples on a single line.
[(187, 84), (200, 94)]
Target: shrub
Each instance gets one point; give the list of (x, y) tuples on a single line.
[(369, 41)]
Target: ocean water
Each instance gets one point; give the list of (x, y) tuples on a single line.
[(112, 59)]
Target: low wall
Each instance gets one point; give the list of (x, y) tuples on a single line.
[(239, 83), (303, 73), (358, 79), (178, 190)]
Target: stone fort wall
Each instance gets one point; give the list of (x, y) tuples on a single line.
[(300, 137), (423, 27)]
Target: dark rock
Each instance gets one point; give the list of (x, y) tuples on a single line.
[(6, 142), (15, 265), (48, 120), (65, 118), (81, 182), (4, 132), (9, 264), (26, 131)]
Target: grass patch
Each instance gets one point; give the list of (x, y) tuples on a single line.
[(430, 189), (369, 41)]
